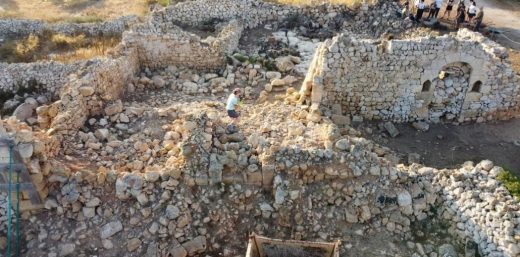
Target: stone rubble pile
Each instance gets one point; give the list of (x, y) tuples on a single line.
[(481, 209), (136, 158)]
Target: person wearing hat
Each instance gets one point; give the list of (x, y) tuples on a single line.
[(232, 104)]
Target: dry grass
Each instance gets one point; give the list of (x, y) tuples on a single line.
[(56, 47), (514, 57), (72, 10)]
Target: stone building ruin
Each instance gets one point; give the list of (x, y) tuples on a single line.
[(133, 152), (400, 80)]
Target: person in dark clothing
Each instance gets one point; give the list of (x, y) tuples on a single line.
[(420, 10), (431, 13), (461, 15), (478, 19), (449, 7)]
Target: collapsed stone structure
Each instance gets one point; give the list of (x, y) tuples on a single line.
[(186, 185), (419, 79)]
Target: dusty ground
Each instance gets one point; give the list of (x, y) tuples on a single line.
[(444, 145), (56, 10), (503, 15)]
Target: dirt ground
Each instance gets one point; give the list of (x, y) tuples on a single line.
[(56, 10), (503, 15), (444, 145)]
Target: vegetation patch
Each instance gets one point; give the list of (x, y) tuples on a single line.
[(57, 47), (511, 182), (161, 2), (514, 57)]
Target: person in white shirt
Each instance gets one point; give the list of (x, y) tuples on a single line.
[(232, 105), (472, 10), (420, 10)]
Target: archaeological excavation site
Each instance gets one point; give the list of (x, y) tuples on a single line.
[(130, 152)]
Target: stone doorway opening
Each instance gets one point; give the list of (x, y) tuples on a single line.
[(448, 91)]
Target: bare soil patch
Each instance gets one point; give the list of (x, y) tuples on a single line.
[(448, 146)]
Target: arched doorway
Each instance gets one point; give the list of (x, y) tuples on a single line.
[(448, 91)]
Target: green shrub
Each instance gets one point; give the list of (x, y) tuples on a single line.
[(161, 2), (511, 182), (240, 57)]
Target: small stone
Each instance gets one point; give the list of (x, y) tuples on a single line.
[(343, 144), (66, 249), (391, 129), (89, 212), (86, 91), (447, 250), (487, 165), (133, 244), (158, 81), (107, 244), (421, 126), (114, 108), (195, 246), (110, 229), (172, 212), (404, 198)]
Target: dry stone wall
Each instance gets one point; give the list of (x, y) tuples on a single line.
[(252, 12), (90, 92), (162, 44), (20, 28), (392, 80), (42, 76)]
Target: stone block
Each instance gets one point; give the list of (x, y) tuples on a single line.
[(268, 173), (254, 178)]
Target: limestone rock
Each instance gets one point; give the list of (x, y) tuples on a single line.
[(391, 129), (86, 91), (133, 244), (23, 111), (128, 184), (195, 246), (66, 249), (172, 212), (110, 229), (447, 250), (404, 198), (114, 108), (421, 126), (343, 144)]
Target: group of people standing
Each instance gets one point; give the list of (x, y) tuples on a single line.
[(472, 14)]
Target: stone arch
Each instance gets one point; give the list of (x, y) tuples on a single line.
[(478, 69), (443, 93)]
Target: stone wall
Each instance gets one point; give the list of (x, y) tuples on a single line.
[(252, 12), (93, 89), (400, 80), (40, 76), (22, 28), (163, 44)]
